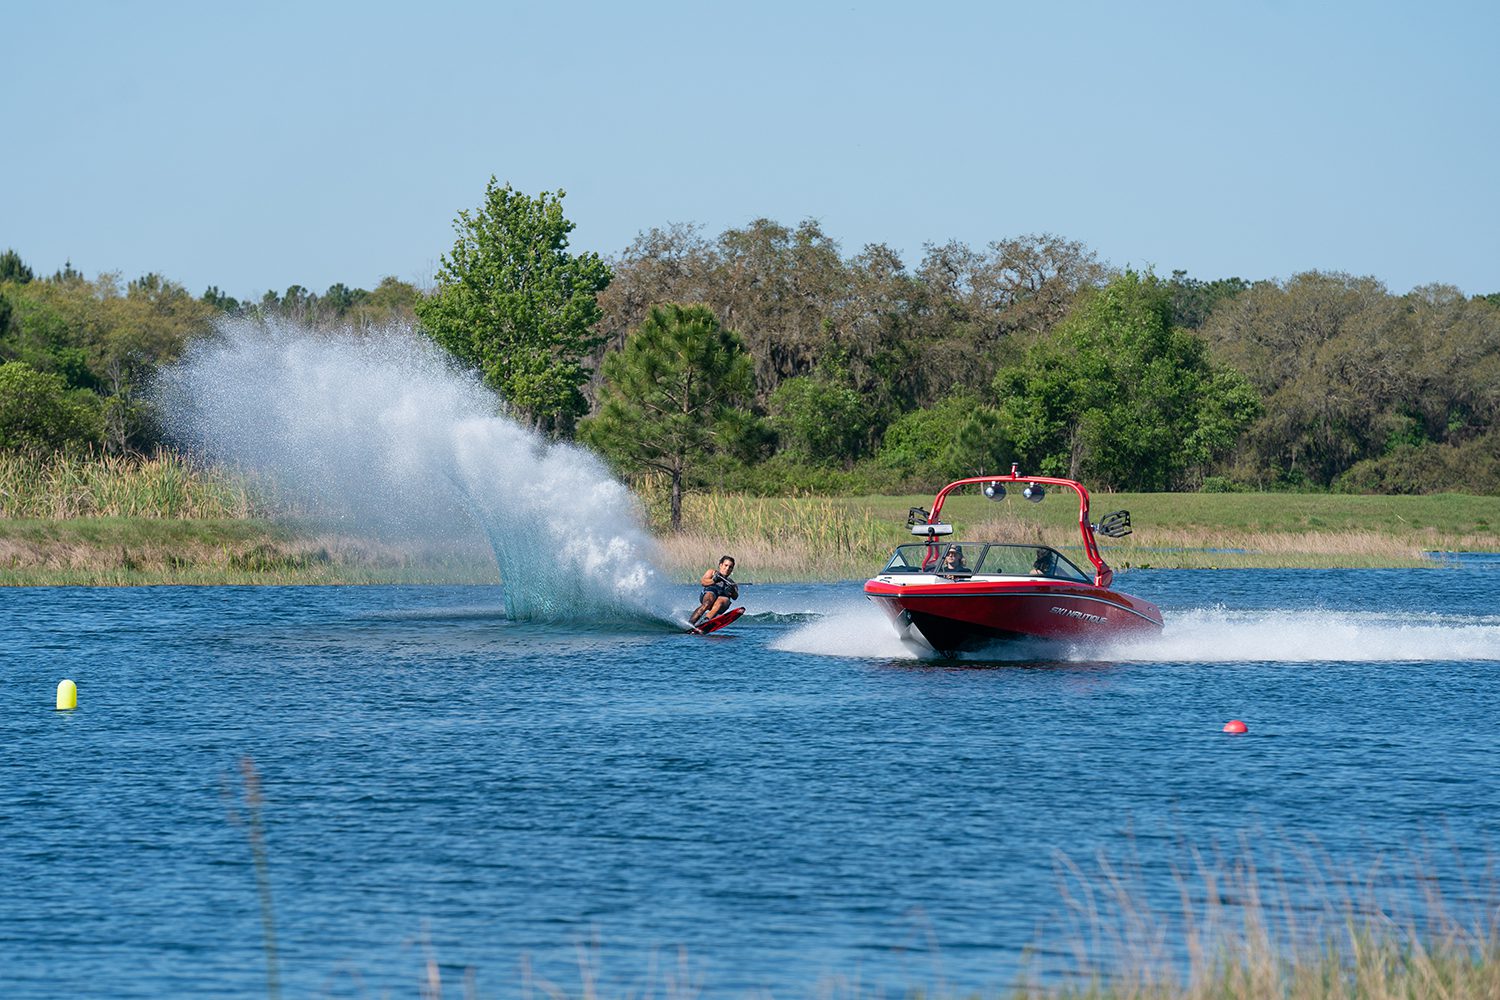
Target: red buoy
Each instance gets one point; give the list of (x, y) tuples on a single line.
[(1235, 726)]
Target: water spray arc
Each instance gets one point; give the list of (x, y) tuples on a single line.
[(380, 435)]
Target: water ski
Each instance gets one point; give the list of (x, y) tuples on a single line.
[(717, 622)]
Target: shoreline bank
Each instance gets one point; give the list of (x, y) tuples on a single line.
[(141, 551)]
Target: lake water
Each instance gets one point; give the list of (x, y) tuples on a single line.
[(800, 805)]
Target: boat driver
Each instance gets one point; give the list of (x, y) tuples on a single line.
[(719, 591), (1046, 562), (953, 562)]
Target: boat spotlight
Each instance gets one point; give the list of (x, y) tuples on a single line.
[(995, 491), (1034, 492)]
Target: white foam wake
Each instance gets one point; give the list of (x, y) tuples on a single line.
[(1212, 635), (1216, 635), (853, 629), (380, 432)]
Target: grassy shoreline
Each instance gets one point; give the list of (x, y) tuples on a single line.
[(775, 539), (104, 520)]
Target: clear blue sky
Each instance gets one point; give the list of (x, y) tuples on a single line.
[(254, 146)]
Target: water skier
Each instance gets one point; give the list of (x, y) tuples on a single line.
[(719, 591)]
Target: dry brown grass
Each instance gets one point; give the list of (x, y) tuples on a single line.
[(815, 538), (1182, 548)]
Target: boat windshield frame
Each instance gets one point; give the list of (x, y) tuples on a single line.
[(1011, 559)]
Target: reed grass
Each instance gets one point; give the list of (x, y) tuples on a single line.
[(1383, 933), (832, 538), (166, 485), (790, 538)]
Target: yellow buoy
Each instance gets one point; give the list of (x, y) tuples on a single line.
[(67, 696)]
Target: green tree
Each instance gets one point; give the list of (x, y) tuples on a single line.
[(13, 268), (68, 275), (1120, 396), (221, 301), (95, 337), (1193, 301), (513, 303), (673, 396), (393, 300), (340, 298), (1344, 368), (820, 417), (955, 437), (39, 414)]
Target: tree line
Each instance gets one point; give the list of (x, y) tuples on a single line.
[(766, 359), (77, 354)]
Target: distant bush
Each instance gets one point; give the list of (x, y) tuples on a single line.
[(1471, 467), (1222, 484), (39, 414), (818, 417)]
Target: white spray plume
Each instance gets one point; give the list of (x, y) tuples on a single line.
[(379, 430)]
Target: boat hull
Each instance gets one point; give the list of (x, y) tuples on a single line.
[(960, 616)]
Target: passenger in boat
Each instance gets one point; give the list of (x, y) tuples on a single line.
[(1046, 562), (719, 591), (953, 562)]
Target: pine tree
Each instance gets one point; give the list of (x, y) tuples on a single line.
[(673, 395)]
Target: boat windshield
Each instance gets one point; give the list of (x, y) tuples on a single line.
[(985, 558), (957, 558), (1031, 560)]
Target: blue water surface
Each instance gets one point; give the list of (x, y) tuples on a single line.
[(796, 803)]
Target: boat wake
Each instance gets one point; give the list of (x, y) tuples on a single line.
[(1217, 635), (1206, 635), (378, 434), (854, 629)]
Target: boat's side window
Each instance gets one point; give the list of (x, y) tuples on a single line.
[(1063, 568), (906, 559)]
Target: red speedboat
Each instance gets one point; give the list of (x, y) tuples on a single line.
[(966, 595)]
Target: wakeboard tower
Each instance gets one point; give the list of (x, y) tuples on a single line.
[(957, 596)]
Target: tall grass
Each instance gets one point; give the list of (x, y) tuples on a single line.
[(166, 485), (1309, 932), (788, 538), (1219, 930)]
